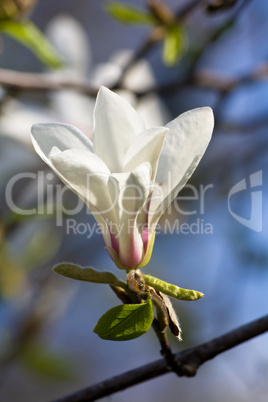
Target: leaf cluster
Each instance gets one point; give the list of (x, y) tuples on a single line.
[(139, 294), (14, 24)]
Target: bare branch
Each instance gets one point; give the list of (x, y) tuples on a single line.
[(189, 361), (18, 81), (43, 82), (184, 12)]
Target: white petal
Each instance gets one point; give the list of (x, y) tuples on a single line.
[(146, 146), (131, 190), (185, 144), (54, 152), (87, 175), (116, 123), (63, 136)]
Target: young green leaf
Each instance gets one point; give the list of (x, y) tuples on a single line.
[(174, 45), (125, 322), (86, 274), (30, 36), (128, 14), (172, 290)]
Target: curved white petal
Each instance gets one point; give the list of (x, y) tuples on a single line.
[(87, 175), (115, 176), (146, 146), (63, 136), (159, 204), (131, 190), (116, 123), (185, 144)]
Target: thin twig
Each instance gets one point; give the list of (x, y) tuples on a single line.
[(155, 36), (172, 363), (189, 360), (183, 13), (247, 128)]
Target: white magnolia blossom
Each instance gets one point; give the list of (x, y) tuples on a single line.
[(129, 174)]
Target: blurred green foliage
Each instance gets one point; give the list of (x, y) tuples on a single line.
[(15, 264), (15, 9), (174, 45), (159, 17), (128, 14), (14, 24), (44, 362)]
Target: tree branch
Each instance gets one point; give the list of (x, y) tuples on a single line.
[(155, 36), (43, 82), (189, 361), (19, 81)]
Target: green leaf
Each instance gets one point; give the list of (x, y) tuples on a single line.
[(29, 35), (172, 290), (87, 274), (125, 322), (128, 14), (174, 45)]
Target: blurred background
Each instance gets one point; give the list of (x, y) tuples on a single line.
[(165, 58)]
